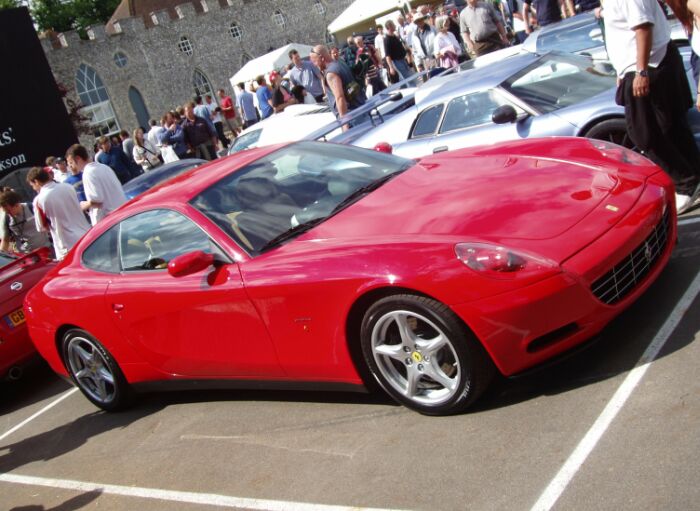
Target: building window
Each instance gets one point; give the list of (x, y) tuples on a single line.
[(236, 32), (202, 85), (319, 8), (329, 38), (245, 58), (120, 59), (96, 104), (185, 46), (278, 17)]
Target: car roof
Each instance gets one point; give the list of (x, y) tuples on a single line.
[(476, 79)]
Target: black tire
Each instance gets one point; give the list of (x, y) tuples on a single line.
[(95, 372), (611, 130), (411, 367)]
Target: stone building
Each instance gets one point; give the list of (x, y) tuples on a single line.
[(135, 69)]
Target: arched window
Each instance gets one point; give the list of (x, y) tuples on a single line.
[(236, 32), (329, 38), (120, 59), (278, 18), (185, 46), (202, 85), (245, 58), (96, 104), (319, 7)]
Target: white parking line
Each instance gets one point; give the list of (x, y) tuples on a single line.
[(43, 410), (210, 499), (567, 472), (689, 220)]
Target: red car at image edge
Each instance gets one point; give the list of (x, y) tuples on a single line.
[(316, 265), (18, 273)]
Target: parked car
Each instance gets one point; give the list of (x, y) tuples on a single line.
[(145, 181), (315, 264), (17, 275), (536, 96), (298, 122)]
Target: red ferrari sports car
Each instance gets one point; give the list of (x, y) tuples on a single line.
[(17, 275), (314, 264)]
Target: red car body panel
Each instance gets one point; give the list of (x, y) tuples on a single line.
[(283, 315), (16, 279)]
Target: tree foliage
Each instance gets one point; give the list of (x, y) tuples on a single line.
[(8, 4), (62, 15)]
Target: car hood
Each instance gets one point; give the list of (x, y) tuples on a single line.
[(499, 194)]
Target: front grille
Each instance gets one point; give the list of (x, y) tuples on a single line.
[(625, 275)]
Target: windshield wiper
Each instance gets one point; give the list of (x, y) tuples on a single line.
[(362, 191), (291, 233)]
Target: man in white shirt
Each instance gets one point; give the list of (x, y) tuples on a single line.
[(653, 88), (103, 190), (56, 209)]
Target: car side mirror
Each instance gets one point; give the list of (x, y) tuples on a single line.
[(504, 114), (189, 263)]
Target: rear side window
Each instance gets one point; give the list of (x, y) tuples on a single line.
[(472, 110), (148, 241), (101, 255), (427, 121)]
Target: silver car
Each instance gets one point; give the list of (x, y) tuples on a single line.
[(522, 96)]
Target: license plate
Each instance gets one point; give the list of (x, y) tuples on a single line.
[(14, 319)]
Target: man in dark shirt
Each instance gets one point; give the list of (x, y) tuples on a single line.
[(198, 134), (395, 54), (548, 11)]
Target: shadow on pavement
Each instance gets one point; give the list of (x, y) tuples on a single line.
[(72, 504), (68, 437), (38, 383)]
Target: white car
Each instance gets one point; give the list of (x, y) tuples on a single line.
[(299, 121)]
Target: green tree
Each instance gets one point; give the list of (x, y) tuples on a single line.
[(62, 15), (8, 4)]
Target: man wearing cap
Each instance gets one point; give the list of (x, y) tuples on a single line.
[(422, 42), (482, 28), (307, 75)]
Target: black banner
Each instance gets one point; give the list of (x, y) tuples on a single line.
[(34, 123)]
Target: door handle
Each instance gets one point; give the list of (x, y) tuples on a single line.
[(117, 307), (440, 149)]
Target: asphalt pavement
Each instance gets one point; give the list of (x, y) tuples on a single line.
[(598, 431)]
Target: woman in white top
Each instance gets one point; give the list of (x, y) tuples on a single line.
[(144, 153), (446, 47)]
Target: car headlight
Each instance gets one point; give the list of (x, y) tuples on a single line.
[(618, 153), (504, 263)]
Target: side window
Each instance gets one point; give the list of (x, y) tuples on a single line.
[(148, 241), (102, 254), (472, 110), (428, 121)]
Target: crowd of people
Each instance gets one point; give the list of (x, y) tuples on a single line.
[(77, 191)]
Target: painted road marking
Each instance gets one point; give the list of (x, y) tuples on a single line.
[(210, 499), (567, 472), (40, 412)]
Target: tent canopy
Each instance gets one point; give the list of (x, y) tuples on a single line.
[(361, 11), (270, 61)]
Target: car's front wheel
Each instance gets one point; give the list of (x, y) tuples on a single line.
[(423, 356), (94, 371), (611, 130)]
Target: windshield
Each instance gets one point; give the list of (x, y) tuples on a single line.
[(572, 38), (245, 141), (555, 82), (299, 185)]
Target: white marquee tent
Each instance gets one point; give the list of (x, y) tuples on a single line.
[(264, 64)]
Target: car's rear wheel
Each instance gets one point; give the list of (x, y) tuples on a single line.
[(95, 371), (423, 356), (612, 130)]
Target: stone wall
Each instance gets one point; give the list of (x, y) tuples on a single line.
[(161, 72)]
